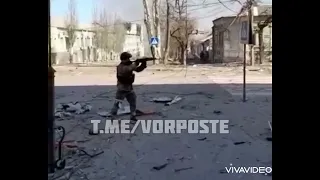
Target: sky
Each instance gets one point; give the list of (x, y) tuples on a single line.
[(132, 10)]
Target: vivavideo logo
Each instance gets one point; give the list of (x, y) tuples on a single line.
[(248, 170), (162, 126)]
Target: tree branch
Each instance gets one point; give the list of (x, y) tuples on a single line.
[(178, 39), (172, 32), (263, 24)]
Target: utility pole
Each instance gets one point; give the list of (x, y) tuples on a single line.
[(187, 36), (251, 37), (167, 33), (246, 39), (213, 42), (51, 131)]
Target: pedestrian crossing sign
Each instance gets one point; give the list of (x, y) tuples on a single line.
[(154, 41)]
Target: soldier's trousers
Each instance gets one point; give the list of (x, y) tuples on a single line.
[(131, 98)]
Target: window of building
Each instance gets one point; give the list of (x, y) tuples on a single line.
[(128, 26), (138, 29), (78, 43), (82, 42), (88, 41), (220, 38), (227, 35)]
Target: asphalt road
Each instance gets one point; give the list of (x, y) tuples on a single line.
[(132, 156)]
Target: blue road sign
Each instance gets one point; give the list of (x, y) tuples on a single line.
[(154, 41)]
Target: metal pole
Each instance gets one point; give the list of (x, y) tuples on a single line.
[(251, 40), (187, 36), (244, 72), (213, 42), (51, 131)]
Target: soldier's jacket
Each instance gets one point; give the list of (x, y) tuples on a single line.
[(126, 76)]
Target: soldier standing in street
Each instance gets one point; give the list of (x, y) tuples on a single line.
[(126, 77)]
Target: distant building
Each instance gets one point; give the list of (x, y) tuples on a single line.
[(82, 47), (226, 39), (203, 44), (134, 42), (84, 50)]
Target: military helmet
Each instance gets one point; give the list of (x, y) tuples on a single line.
[(125, 56)]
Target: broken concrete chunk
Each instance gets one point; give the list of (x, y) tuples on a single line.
[(162, 99), (62, 114), (202, 139), (160, 167), (58, 115), (87, 107), (59, 106), (217, 112), (270, 125), (65, 110), (73, 107), (183, 169), (238, 143), (104, 113), (174, 101), (195, 115)]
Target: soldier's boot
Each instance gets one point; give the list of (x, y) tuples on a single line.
[(113, 116), (133, 118)]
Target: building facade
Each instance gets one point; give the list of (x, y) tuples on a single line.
[(134, 42), (84, 49), (226, 38)]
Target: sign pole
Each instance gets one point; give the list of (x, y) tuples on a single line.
[(244, 73), (153, 43), (246, 38)]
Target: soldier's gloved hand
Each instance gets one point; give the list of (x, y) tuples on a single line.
[(137, 62), (144, 64)]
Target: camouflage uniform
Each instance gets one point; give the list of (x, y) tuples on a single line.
[(125, 81)]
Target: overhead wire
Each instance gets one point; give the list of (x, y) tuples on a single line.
[(216, 4), (207, 16), (222, 3), (205, 6)]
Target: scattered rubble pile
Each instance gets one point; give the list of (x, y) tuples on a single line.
[(67, 110), (167, 100), (125, 109)]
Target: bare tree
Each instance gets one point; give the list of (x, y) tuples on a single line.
[(71, 24), (110, 32), (147, 23), (181, 28), (157, 30), (119, 34), (166, 53), (260, 27)]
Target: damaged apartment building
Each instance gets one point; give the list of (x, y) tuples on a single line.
[(84, 47)]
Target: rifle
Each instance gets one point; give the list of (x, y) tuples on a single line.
[(144, 59)]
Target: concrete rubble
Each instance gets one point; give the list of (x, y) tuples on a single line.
[(69, 109)]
